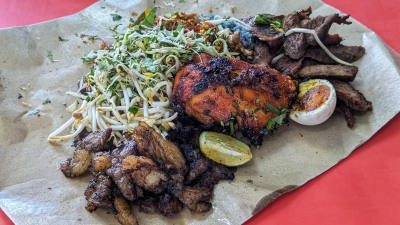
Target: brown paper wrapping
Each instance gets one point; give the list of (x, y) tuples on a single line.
[(33, 191)]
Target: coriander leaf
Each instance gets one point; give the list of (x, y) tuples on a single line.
[(279, 119), (149, 19), (115, 17), (62, 39), (46, 101), (131, 20), (133, 109), (115, 27), (182, 1)]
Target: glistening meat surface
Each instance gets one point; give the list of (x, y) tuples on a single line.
[(217, 89)]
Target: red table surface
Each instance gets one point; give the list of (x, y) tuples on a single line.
[(362, 189)]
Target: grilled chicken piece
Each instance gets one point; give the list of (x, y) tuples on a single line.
[(124, 213), (125, 148), (82, 158), (99, 193), (165, 153), (215, 89), (145, 173)]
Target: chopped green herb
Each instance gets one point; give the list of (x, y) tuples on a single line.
[(182, 1), (133, 109), (115, 27), (270, 125), (115, 17), (272, 108), (89, 99), (262, 19), (257, 101), (231, 127), (62, 39), (149, 19), (229, 90), (50, 56), (131, 20), (222, 123), (46, 101)]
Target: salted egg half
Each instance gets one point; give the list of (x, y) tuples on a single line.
[(315, 102)]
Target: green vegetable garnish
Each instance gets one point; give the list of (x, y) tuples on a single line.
[(46, 101), (262, 19), (62, 39), (115, 17), (149, 19)]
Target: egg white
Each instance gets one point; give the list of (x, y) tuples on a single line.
[(318, 115)]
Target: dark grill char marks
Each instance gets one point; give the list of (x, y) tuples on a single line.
[(351, 97), (82, 158), (125, 148), (346, 53), (295, 44), (251, 87), (340, 72)]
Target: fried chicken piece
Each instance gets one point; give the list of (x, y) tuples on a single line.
[(81, 160), (215, 89), (101, 161), (125, 148), (124, 213), (145, 173), (99, 193), (165, 153)]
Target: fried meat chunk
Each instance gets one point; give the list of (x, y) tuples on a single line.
[(165, 153), (123, 212), (99, 193), (82, 158), (126, 147), (145, 173)]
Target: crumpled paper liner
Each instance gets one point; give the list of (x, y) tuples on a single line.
[(33, 191)]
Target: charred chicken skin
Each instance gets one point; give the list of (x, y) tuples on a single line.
[(216, 89)]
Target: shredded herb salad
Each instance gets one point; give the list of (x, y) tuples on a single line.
[(131, 80)]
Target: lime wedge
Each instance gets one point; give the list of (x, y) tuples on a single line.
[(224, 149)]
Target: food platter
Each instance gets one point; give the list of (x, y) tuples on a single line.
[(282, 158)]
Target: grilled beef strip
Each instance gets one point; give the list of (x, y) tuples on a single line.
[(346, 53), (351, 97), (288, 66), (341, 72)]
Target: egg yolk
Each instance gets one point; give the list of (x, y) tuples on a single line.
[(314, 98)]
